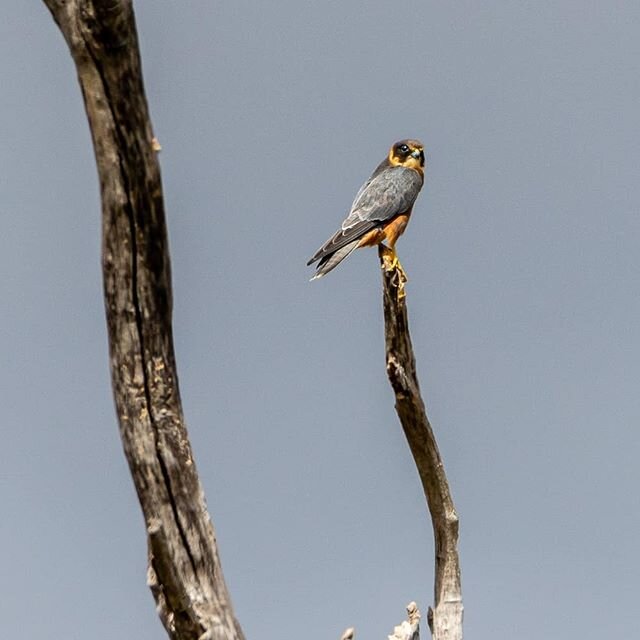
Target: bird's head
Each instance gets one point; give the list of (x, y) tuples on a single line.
[(407, 153)]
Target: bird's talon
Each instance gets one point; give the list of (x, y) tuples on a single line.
[(391, 263), (400, 279), (389, 259)]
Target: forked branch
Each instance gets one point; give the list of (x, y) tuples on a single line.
[(445, 618), (184, 573)]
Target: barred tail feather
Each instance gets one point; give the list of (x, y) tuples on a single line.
[(334, 259)]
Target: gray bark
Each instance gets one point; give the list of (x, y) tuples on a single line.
[(184, 572)]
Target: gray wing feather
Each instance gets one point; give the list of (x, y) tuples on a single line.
[(332, 260)]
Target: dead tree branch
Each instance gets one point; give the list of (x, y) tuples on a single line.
[(184, 574), (445, 619), (408, 629)]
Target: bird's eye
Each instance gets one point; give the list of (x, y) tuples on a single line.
[(403, 148)]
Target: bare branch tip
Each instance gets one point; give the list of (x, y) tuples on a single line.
[(408, 629), (348, 634), (413, 612)]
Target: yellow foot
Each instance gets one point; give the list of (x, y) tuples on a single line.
[(390, 262)]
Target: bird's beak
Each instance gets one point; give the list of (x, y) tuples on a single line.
[(418, 154)]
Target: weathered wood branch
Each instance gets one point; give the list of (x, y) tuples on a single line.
[(408, 629), (184, 572), (445, 619)]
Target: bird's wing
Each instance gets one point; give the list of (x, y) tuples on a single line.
[(385, 195)]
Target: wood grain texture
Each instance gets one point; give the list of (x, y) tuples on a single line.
[(184, 572), (445, 618)]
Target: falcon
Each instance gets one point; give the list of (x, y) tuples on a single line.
[(381, 210)]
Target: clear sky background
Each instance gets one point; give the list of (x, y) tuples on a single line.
[(524, 301)]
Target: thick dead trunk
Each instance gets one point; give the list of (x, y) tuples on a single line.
[(184, 573)]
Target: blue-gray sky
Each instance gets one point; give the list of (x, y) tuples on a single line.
[(524, 299)]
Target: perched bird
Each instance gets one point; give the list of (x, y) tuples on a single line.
[(381, 210)]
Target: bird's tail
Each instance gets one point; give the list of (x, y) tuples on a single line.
[(334, 259)]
